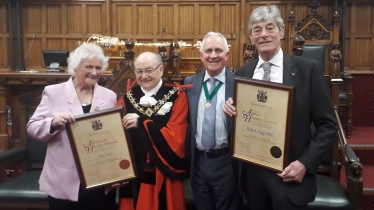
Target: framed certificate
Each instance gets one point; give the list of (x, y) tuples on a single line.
[(261, 130), (101, 148)]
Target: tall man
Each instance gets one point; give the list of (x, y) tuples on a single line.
[(211, 170), (296, 186)]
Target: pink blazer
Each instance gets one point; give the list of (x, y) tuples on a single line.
[(59, 177)]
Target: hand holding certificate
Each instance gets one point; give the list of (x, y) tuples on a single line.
[(101, 148), (262, 123)]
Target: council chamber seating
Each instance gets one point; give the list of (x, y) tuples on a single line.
[(317, 39), (22, 191)]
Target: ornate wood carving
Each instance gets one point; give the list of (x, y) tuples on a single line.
[(311, 16), (314, 31), (26, 80), (118, 81), (249, 52), (298, 50), (51, 81), (291, 16)]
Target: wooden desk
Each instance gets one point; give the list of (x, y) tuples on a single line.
[(22, 91)]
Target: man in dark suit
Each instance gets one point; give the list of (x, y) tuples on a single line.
[(211, 170), (296, 186)]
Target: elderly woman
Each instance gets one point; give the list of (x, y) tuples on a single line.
[(157, 122), (59, 104)]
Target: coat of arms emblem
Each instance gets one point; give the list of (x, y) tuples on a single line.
[(262, 96), (96, 124)]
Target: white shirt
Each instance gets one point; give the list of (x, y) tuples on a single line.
[(221, 131), (276, 69)]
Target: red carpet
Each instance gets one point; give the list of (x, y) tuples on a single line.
[(363, 112), (362, 135)]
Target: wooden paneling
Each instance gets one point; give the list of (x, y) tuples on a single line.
[(35, 55), (32, 18), (3, 19), (3, 36), (122, 21), (228, 18), (145, 21), (94, 18), (166, 18), (364, 48), (359, 40), (54, 19), (206, 18), (187, 21), (75, 18)]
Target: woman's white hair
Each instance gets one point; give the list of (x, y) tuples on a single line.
[(86, 50), (211, 33)]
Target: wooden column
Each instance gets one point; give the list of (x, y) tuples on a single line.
[(108, 7), (3, 114)]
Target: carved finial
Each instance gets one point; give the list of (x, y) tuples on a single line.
[(336, 16), (314, 7), (291, 16), (299, 40), (336, 57), (355, 171), (129, 54)]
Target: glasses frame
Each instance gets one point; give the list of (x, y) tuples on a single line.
[(146, 71)]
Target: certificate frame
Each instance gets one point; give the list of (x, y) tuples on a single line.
[(262, 124), (101, 148)]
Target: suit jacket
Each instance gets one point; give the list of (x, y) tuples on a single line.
[(193, 95), (312, 104), (59, 177)]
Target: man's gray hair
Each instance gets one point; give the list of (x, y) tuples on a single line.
[(211, 33), (86, 50), (266, 13)]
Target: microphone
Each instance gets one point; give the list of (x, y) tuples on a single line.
[(27, 54)]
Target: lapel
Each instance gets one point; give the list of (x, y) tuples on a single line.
[(289, 70), (195, 94), (251, 68), (73, 101), (229, 92), (75, 106), (97, 101)]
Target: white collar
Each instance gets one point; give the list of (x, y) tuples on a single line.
[(154, 90), (277, 60), (220, 77)]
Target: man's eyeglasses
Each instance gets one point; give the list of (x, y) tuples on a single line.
[(147, 71)]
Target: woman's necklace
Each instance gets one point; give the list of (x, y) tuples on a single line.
[(85, 98)]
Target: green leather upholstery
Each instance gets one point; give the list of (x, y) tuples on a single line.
[(331, 194), (350, 154), (11, 155), (23, 189), (316, 52)]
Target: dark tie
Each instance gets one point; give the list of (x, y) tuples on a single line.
[(266, 67), (208, 137)]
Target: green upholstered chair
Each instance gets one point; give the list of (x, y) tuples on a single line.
[(320, 52), (22, 191), (331, 193)]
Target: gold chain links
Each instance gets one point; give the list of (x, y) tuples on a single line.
[(159, 104)]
